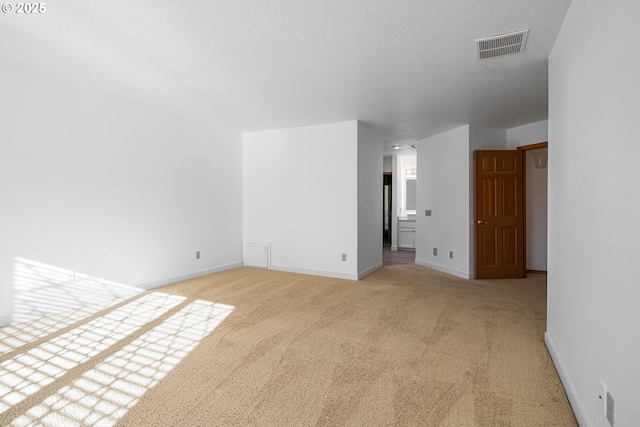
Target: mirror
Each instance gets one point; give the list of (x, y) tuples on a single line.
[(410, 194)]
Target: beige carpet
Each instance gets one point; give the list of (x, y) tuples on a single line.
[(405, 346)]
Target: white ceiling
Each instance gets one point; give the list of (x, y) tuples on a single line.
[(406, 68)]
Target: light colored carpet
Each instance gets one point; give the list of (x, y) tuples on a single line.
[(405, 346)]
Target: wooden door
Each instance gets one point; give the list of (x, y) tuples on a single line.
[(499, 214)]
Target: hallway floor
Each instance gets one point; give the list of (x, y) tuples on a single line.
[(390, 257)]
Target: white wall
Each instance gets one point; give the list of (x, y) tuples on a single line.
[(111, 188), (303, 198), (387, 164), (528, 134), (369, 200), (443, 187), (593, 320)]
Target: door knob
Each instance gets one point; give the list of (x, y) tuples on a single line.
[(481, 222)]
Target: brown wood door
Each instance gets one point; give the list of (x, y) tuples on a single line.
[(499, 214)]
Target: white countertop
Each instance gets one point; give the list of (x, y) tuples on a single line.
[(407, 219)]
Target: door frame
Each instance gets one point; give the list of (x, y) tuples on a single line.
[(524, 149)]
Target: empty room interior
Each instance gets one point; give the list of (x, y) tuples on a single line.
[(319, 213)]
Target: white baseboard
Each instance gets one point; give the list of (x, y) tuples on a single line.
[(369, 270), (576, 405), (323, 273), (451, 271), (159, 283), (394, 248)]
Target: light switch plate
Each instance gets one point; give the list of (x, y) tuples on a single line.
[(427, 212)]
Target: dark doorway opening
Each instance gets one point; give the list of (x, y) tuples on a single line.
[(386, 210)]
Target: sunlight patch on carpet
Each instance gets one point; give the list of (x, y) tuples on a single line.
[(13, 337), (104, 394), (27, 373)]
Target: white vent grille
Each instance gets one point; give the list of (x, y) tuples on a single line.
[(504, 44)]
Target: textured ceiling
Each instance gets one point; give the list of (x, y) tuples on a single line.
[(406, 68)]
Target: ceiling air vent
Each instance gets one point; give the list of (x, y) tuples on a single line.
[(504, 44)]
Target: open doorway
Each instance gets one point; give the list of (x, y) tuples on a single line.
[(386, 207), (510, 205), (536, 178)]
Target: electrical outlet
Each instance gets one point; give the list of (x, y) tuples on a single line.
[(197, 254), (610, 406), (607, 403), (450, 254), (603, 397), (344, 257), (435, 251)]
